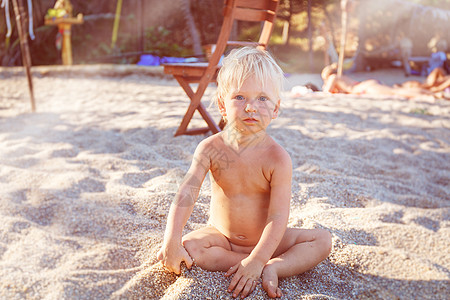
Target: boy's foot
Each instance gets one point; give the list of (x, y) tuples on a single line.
[(270, 282)]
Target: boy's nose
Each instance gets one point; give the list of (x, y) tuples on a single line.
[(250, 107)]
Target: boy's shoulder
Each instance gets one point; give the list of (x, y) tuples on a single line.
[(209, 144), (278, 154), (211, 140)]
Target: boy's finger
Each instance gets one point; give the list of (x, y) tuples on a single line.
[(188, 260), (159, 255), (239, 287), (233, 283), (248, 288), (176, 270), (231, 270), (253, 285)]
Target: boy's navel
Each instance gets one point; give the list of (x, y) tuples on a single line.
[(241, 237)]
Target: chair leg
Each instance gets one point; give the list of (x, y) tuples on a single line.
[(194, 105), (191, 109), (186, 119), (208, 119)]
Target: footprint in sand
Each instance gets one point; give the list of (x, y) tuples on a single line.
[(427, 223), (395, 217), (136, 180)]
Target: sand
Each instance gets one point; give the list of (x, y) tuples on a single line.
[(86, 182)]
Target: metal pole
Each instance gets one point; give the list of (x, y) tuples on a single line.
[(24, 48)]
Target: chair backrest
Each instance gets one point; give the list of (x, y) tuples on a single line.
[(262, 11), (253, 10)]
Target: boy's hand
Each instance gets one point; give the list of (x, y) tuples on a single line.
[(171, 257), (248, 271)]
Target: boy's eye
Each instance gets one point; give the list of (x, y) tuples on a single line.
[(239, 97), (262, 98)]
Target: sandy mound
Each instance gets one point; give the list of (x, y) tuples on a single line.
[(86, 182)]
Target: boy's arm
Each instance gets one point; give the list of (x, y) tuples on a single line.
[(251, 267), (172, 252)]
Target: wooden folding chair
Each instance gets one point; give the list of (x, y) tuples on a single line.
[(263, 11)]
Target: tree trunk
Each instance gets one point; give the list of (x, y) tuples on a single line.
[(330, 24), (185, 6), (285, 33), (289, 27), (359, 63)]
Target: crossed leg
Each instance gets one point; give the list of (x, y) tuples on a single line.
[(299, 251)]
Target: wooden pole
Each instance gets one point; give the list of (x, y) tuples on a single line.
[(344, 16), (116, 24), (24, 48), (311, 58), (141, 30)]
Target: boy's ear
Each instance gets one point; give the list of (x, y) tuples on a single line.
[(276, 110), (221, 106)]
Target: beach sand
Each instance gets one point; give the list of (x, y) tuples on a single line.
[(87, 180)]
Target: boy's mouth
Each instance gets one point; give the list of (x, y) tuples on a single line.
[(250, 120)]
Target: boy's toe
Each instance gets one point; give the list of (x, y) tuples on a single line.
[(279, 293), (271, 287), (271, 290)]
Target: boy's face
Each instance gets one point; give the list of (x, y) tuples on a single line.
[(251, 107)]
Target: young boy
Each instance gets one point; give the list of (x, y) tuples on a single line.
[(251, 189)]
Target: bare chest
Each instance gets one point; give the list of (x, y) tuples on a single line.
[(242, 173)]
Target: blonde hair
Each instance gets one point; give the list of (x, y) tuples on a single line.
[(246, 62)]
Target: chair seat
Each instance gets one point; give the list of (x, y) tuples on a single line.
[(189, 70)]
